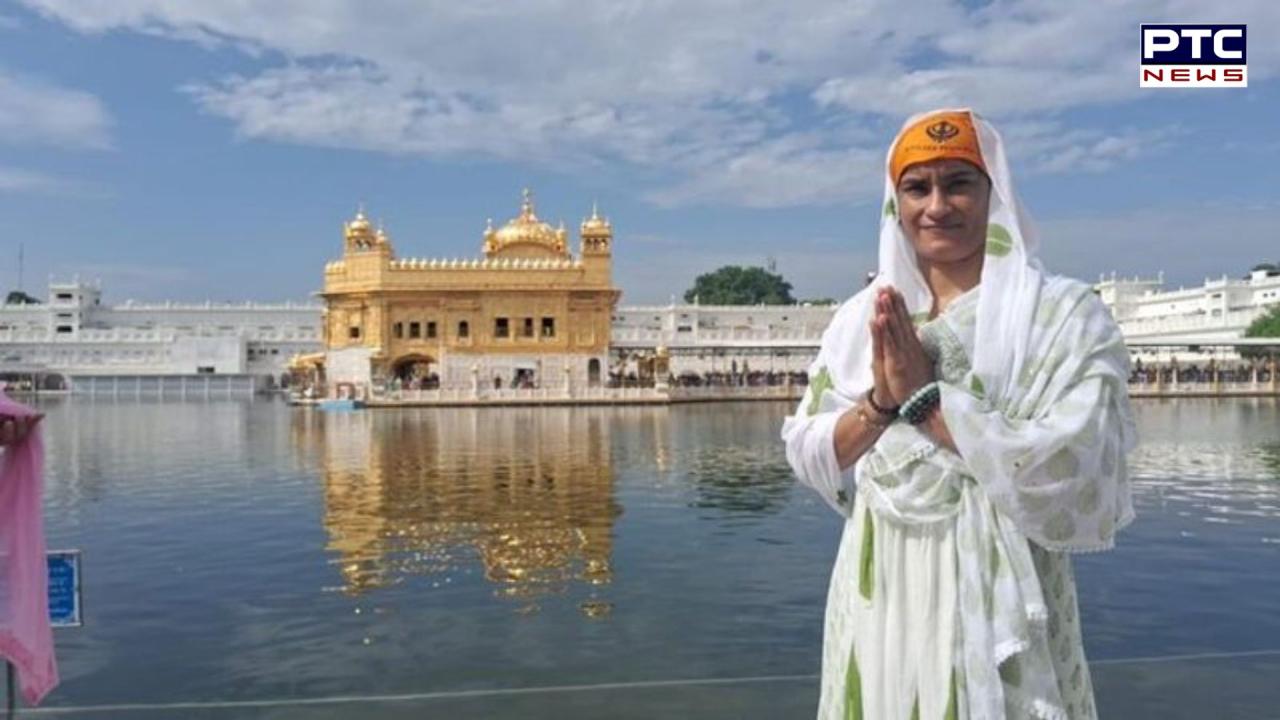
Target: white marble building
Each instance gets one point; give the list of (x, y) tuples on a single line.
[(722, 338), (74, 335), (1219, 310)]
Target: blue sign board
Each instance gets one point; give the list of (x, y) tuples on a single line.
[(64, 588)]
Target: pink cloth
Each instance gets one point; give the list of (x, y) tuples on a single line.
[(26, 639)]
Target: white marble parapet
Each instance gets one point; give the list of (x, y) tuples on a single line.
[(455, 264), (582, 396)]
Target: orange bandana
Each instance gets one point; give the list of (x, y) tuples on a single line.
[(939, 135)]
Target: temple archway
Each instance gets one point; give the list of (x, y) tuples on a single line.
[(593, 372), (416, 369)]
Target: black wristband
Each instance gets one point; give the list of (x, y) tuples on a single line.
[(871, 400)]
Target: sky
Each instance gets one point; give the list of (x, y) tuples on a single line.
[(212, 150)]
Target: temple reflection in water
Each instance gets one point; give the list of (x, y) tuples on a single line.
[(526, 492)]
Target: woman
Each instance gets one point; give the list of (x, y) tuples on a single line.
[(968, 415)]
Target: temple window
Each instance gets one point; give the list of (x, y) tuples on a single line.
[(353, 332), (415, 330), (548, 327), (464, 330), (398, 330), (431, 330), (528, 328), (501, 328)]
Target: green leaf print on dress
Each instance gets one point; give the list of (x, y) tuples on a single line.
[(999, 241), (950, 713), (852, 690), (818, 385), (866, 563)]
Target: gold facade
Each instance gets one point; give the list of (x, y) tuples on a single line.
[(528, 296)]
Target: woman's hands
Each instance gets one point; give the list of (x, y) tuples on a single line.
[(899, 363), (14, 429)]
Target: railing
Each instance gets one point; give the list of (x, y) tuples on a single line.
[(737, 392), (165, 335), (164, 386), (1168, 388), (485, 396), (705, 336)]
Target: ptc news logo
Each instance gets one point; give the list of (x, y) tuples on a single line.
[(1186, 55)]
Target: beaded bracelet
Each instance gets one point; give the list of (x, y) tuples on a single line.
[(878, 422), (890, 412), (917, 407)]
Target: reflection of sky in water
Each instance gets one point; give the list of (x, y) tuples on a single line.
[(242, 550), (1193, 479), (1218, 462)]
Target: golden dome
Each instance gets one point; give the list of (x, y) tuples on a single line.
[(596, 224), (359, 223), (526, 231)]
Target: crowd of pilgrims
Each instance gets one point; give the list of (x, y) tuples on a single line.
[(1242, 372)]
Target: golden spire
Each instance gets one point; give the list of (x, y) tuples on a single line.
[(596, 224), (525, 234), (526, 207)]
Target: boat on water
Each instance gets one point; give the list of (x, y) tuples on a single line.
[(340, 404)]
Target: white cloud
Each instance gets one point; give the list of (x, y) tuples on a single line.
[(995, 90), (17, 180), (1052, 147), (36, 112), (731, 101), (781, 172)]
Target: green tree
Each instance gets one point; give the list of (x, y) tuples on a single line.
[(1266, 325), (17, 297), (736, 285)]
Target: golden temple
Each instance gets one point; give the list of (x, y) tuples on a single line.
[(526, 314)]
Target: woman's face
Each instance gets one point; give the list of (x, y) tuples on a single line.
[(943, 208)]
